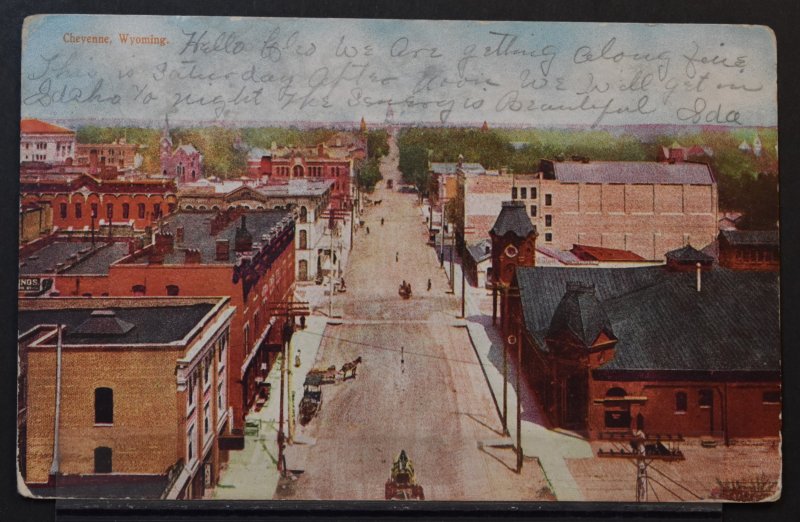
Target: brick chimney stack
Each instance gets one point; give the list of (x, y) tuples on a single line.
[(164, 242), (223, 250), (192, 256)]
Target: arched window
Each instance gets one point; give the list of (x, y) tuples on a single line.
[(126, 210), (303, 240), (173, 290), (617, 410), (297, 171), (138, 289), (103, 406), (303, 270), (303, 214), (102, 460), (681, 402)]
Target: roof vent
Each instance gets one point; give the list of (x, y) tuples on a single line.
[(103, 323)]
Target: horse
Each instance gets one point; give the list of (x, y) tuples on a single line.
[(351, 367)]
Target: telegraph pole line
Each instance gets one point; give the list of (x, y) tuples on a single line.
[(519, 400)]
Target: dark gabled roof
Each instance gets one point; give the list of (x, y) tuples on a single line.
[(512, 218), (148, 323), (751, 237), (480, 251), (596, 253), (580, 314), (663, 323), (688, 254)]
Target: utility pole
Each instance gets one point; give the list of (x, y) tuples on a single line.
[(441, 243), (463, 290), (55, 465), (505, 373), (281, 436), (519, 399)]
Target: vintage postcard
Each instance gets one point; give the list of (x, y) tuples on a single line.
[(344, 259)]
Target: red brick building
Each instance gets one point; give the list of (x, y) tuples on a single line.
[(663, 349), (183, 163), (248, 256), (119, 154), (331, 160), (749, 250), (89, 426), (80, 202)]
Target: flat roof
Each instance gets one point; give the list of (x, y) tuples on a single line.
[(151, 324), (631, 172), (79, 258)]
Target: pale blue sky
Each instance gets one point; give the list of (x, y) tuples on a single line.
[(654, 62)]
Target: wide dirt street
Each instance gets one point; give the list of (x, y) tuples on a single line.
[(435, 404)]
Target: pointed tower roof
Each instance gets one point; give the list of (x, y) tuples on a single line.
[(485, 126), (512, 218), (581, 314), (363, 125)]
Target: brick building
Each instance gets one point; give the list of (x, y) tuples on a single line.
[(248, 256), (119, 154), (307, 199), (35, 221), (331, 161), (45, 142), (750, 250), (183, 163), (664, 349), (647, 208), (80, 202), (136, 404)]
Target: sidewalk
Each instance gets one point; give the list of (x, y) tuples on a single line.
[(548, 446), (252, 473)]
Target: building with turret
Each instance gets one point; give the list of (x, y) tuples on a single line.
[(183, 163)]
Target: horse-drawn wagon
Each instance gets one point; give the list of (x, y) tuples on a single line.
[(402, 483), (312, 398)]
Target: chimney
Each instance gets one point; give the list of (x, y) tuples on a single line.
[(192, 256), (243, 241), (164, 243), (179, 235), (699, 277), (223, 250)]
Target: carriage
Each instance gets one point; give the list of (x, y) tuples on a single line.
[(326, 376), (402, 483), (405, 291), (312, 398)]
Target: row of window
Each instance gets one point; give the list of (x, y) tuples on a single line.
[(522, 193), (94, 209)]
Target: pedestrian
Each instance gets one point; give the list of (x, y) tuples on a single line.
[(429, 285), (402, 360), (367, 230), (397, 257), (381, 221)]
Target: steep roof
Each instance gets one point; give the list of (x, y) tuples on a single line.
[(33, 126), (662, 322), (579, 312), (512, 218), (480, 251), (688, 254), (751, 237), (633, 172)]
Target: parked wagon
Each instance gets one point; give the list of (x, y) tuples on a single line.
[(311, 403), (326, 376)]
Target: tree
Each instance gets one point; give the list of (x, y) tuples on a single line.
[(368, 174), (378, 143)]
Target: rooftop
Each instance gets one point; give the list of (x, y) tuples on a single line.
[(595, 253), (34, 126), (480, 251), (751, 237), (629, 172), (512, 218), (662, 322), (118, 325), (197, 233), (451, 168), (75, 257)]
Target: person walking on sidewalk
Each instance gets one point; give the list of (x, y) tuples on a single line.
[(429, 284), (397, 257)]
